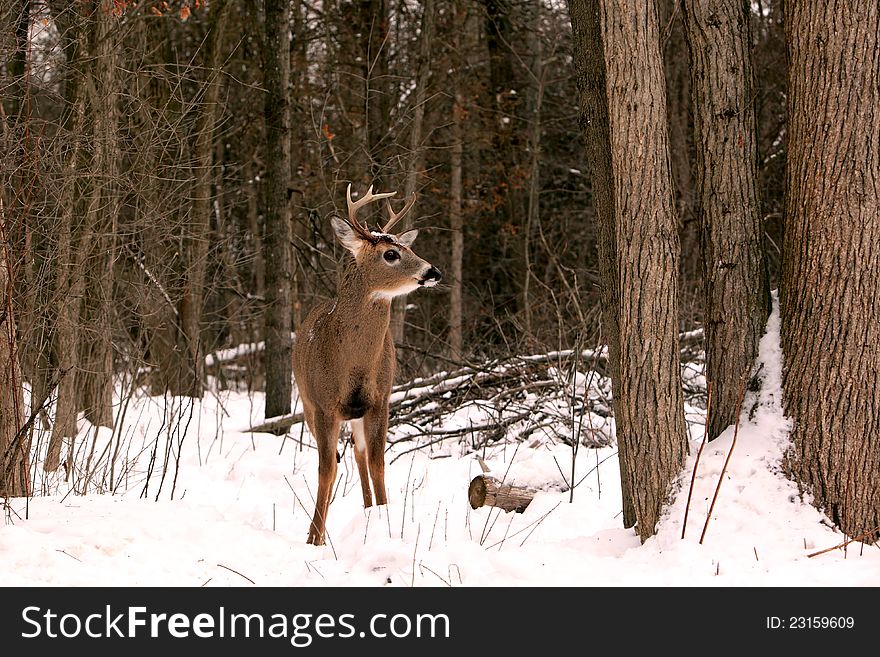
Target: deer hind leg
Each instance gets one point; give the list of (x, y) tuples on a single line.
[(376, 429), (325, 429), (360, 457)]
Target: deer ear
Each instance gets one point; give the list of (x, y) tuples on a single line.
[(346, 235), (408, 237)]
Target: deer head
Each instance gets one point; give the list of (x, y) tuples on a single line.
[(386, 261)]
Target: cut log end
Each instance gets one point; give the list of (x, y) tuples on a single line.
[(485, 490)]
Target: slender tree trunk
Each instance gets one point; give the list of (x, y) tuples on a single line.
[(830, 293), (735, 273), (302, 162), (416, 149), (198, 233), (533, 207), (74, 239), (456, 226), (253, 212), (14, 448), (95, 378), (373, 16), (72, 249), (278, 233), (164, 351), (29, 244), (499, 251), (18, 14), (633, 196)]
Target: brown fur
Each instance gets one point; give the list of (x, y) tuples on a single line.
[(344, 360)]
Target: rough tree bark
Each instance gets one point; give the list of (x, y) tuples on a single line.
[(278, 233), (830, 292), (679, 113), (623, 115), (737, 293)]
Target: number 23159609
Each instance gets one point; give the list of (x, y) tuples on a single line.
[(810, 623)]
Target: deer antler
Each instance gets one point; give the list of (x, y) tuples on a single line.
[(394, 217), (354, 206)]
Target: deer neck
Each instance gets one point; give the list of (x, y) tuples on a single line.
[(368, 314)]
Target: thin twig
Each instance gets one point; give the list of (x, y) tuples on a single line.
[(846, 542), (726, 461), (423, 566), (231, 570), (687, 506)]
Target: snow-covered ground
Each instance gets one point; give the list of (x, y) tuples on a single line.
[(194, 499)]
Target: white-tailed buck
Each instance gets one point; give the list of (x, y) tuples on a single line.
[(344, 359)]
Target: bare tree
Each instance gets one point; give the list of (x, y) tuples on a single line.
[(101, 92), (416, 146), (14, 449), (198, 229), (617, 52), (831, 265), (734, 267), (456, 224), (278, 233)]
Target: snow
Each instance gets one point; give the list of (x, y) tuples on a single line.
[(195, 499)]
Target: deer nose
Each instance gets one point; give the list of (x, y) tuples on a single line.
[(433, 274)]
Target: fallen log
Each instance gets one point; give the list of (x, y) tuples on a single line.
[(278, 425), (485, 490)]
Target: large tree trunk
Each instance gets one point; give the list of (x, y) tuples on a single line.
[(679, 115), (831, 259), (737, 294), (594, 122), (278, 233), (620, 76)]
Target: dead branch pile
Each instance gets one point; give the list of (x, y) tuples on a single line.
[(560, 396)]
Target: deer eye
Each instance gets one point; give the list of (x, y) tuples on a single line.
[(391, 256)]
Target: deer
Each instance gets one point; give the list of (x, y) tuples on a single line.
[(344, 358)]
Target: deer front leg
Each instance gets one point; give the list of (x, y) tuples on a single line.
[(376, 429), (326, 431)]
